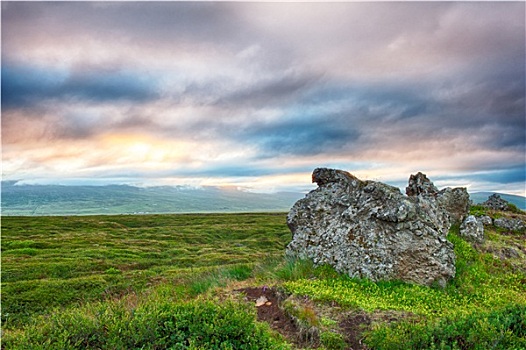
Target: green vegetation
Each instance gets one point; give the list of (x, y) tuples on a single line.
[(152, 324), (49, 262), (501, 329), (167, 281), (514, 209), (478, 210), (332, 340), (472, 289)]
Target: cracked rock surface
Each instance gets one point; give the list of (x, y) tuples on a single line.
[(369, 229)]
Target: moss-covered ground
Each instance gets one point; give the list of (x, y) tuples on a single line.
[(167, 282)]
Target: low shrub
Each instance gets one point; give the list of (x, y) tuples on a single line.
[(22, 252), (501, 329), (151, 325), (293, 269), (19, 244), (332, 341), (201, 283), (238, 272), (514, 209)]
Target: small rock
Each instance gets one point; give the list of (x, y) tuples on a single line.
[(486, 220), (262, 300), (472, 229)]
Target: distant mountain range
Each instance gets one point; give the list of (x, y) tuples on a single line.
[(124, 199)]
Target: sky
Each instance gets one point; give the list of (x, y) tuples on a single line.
[(256, 95)]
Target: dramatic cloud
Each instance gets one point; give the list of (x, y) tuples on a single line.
[(258, 94), (30, 86)]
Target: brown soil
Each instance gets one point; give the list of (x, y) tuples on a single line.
[(353, 327), (271, 313)]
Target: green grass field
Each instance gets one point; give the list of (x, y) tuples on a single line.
[(58, 261), (167, 282)]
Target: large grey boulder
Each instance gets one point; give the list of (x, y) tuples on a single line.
[(369, 229)]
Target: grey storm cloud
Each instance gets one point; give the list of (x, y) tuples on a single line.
[(302, 137), (515, 174), (26, 86)]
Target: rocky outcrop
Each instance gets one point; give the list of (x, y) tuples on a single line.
[(494, 202), (369, 229), (454, 200), (486, 220), (472, 230), (420, 185), (512, 224)]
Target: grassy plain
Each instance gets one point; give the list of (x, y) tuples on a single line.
[(146, 281), (58, 261)]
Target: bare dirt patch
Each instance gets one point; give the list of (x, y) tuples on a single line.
[(269, 310), (352, 328), (352, 324), (268, 302)]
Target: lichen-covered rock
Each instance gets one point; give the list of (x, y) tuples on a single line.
[(486, 220), (510, 224), (369, 229), (456, 202), (495, 202), (419, 185), (472, 229)]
